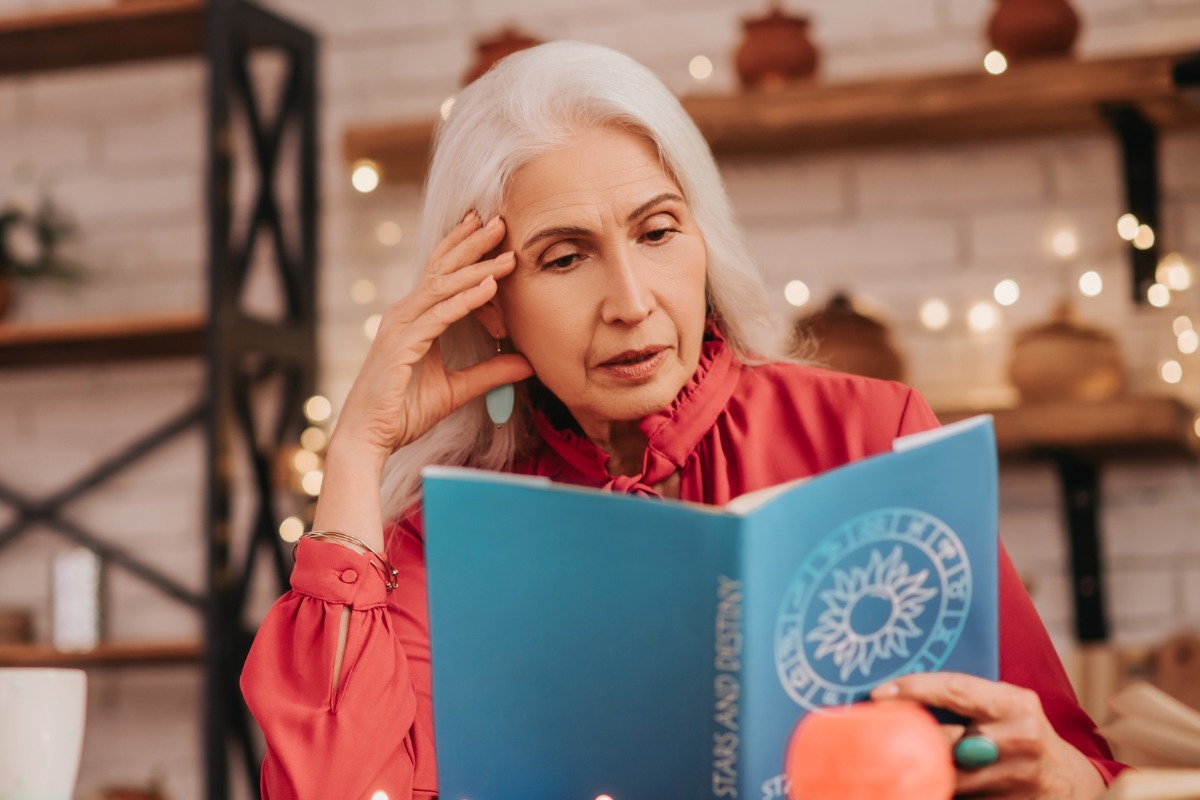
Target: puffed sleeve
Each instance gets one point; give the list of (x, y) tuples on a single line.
[(365, 737)]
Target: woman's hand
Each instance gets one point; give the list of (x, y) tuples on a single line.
[(1034, 762), (403, 388)]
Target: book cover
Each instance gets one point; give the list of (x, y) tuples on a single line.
[(588, 644)]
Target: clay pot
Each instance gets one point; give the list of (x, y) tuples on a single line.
[(850, 341), (490, 49), (1065, 360), (1029, 29), (775, 49)]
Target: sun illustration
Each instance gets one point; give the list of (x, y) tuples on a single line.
[(871, 613)]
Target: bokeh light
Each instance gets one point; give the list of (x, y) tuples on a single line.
[(935, 314), (797, 293)]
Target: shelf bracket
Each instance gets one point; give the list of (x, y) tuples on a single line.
[(1079, 479), (1138, 140)]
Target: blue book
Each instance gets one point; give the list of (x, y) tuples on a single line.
[(587, 643)]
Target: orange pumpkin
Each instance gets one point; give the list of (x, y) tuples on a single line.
[(890, 750)]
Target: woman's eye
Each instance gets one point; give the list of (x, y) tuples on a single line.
[(660, 234), (562, 262)]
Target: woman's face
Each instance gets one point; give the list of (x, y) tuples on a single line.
[(607, 300)]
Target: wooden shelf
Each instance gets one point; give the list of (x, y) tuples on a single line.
[(1054, 96), (116, 654), (130, 30), (91, 341), (1121, 427)]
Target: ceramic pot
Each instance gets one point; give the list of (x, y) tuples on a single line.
[(775, 49), (1029, 29), (1063, 359), (850, 341), (490, 49)]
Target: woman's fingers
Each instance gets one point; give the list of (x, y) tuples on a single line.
[(469, 383), (975, 698), (442, 314), (469, 224), (470, 249)]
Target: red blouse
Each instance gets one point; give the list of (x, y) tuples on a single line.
[(731, 430)]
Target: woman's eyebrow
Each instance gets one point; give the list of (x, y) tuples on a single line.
[(651, 203), (559, 230), (574, 231)]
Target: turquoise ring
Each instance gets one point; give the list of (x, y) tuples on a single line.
[(975, 752)]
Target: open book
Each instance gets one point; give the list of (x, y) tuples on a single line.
[(587, 643), (1154, 727)]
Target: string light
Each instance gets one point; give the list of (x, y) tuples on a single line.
[(1170, 371), (317, 408), (291, 529), (1090, 283), (796, 293), (306, 461), (1144, 238), (363, 291), (983, 317), (995, 63), (388, 233), (1174, 272), (1127, 227), (935, 314), (1158, 295), (1065, 243), (365, 177), (371, 326), (311, 482), (1188, 342), (313, 439), (1006, 292), (446, 107), (701, 68), (1182, 323)]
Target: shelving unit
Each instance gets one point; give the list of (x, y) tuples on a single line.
[(1123, 427), (124, 654), (242, 352), (1049, 97), (1133, 98), (1079, 438)]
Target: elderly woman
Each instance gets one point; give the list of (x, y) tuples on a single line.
[(578, 244)]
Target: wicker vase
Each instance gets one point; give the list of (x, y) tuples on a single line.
[(849, 341), (1062, 359), (490, 49)]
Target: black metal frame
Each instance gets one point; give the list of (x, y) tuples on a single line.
[(243, 350)]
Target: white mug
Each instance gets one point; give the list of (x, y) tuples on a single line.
[(42, 715)]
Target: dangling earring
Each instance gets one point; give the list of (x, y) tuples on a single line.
[(500, 400)]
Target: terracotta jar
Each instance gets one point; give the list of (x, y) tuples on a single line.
[(775, 49), (1029, 29), (490, 49), (848, 340), (1065, 360)]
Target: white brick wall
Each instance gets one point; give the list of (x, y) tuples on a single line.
[(121, 149)]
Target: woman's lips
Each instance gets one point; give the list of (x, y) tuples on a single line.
[(636, 364)]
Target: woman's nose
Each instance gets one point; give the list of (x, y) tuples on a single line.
[(627, 294)]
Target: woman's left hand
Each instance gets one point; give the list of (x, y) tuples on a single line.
[(1034, 762)]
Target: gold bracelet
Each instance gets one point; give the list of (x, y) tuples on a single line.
[(387, 570)]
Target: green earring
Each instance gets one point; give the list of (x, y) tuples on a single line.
[(500, 400)]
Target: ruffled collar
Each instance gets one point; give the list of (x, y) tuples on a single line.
[(672, 433)]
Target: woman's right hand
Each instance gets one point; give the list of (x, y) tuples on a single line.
[(403, 388)]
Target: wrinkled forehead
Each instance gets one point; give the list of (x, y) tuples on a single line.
[(607, 170)]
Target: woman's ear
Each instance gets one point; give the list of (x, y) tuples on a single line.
[(491, 316)]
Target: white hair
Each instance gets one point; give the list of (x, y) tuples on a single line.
[(530, 103)]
